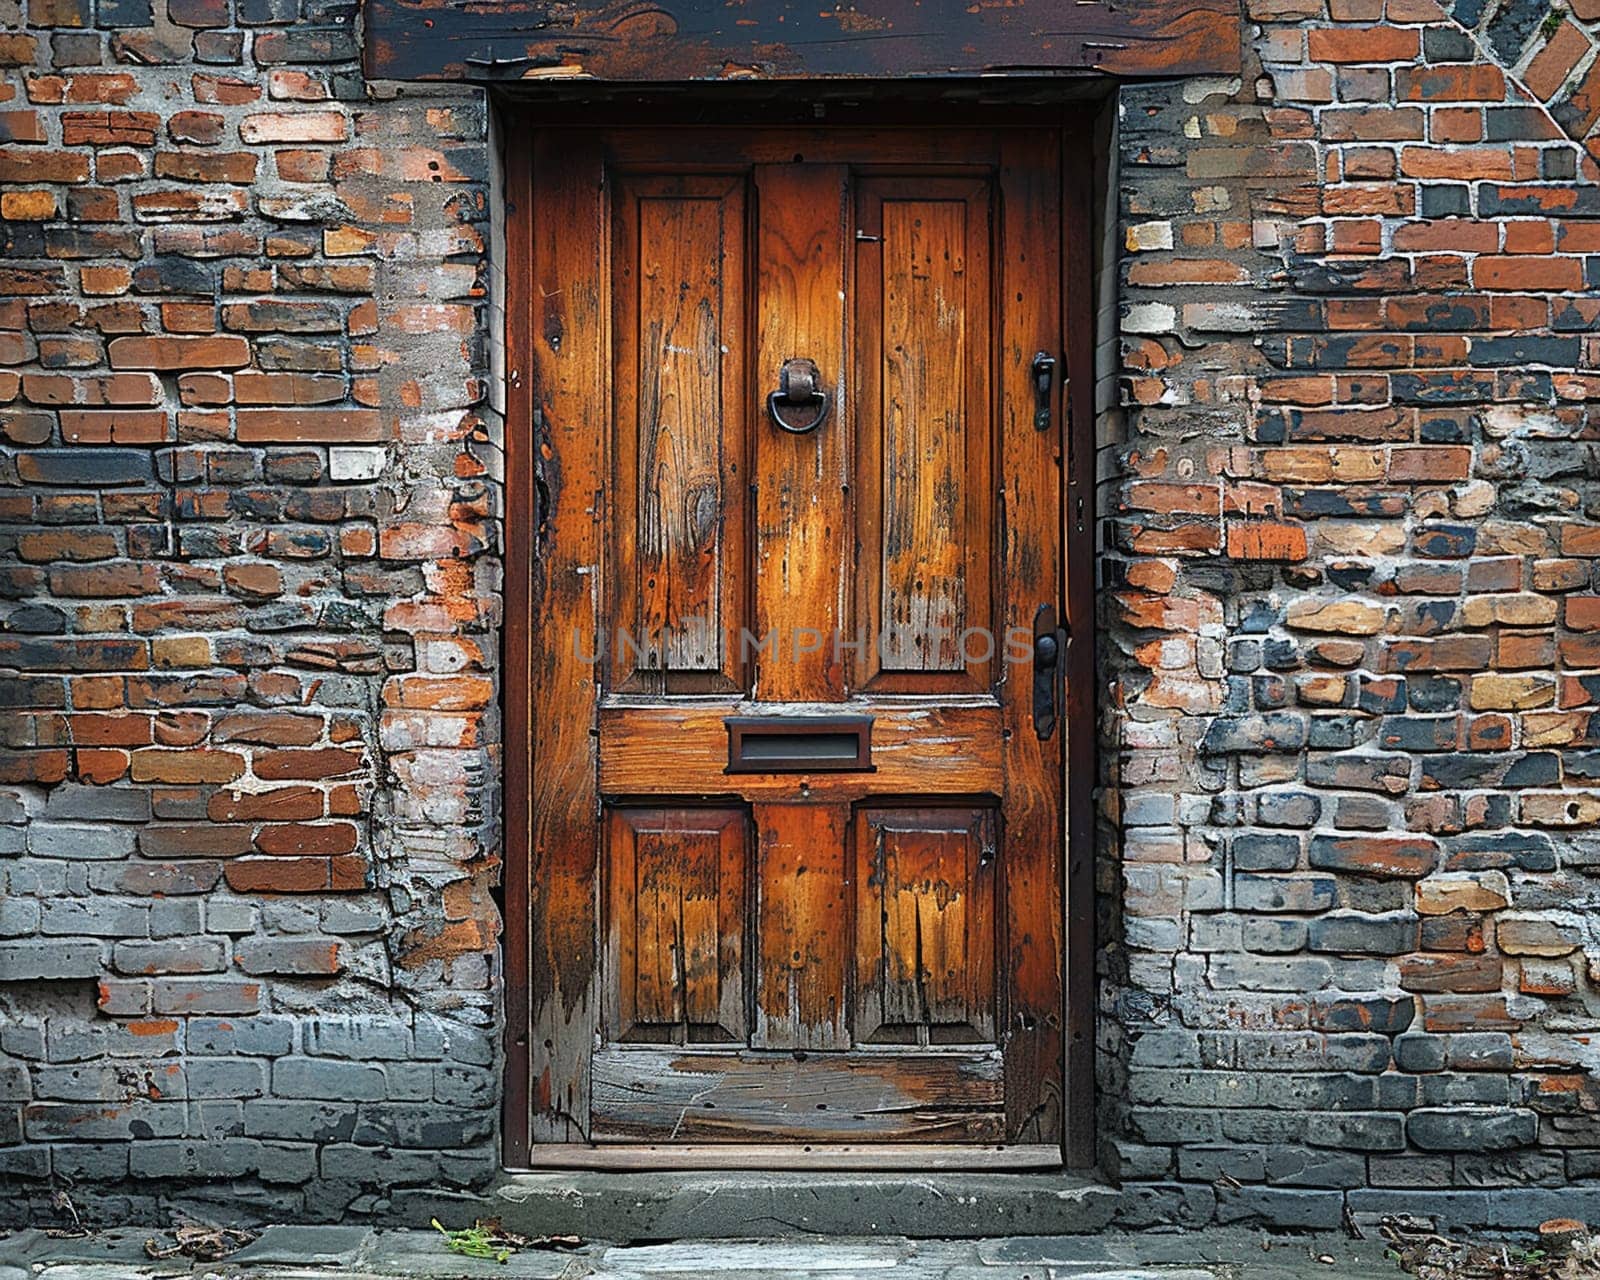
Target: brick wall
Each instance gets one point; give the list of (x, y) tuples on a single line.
[(1352, 624), (248, 519), (248, 776)]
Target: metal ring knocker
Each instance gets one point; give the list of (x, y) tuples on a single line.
[(798, 385)]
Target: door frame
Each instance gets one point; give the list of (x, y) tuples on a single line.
[(1075, 120)]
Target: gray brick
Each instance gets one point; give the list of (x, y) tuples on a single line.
[(438, 1037), (91, 1161), (74, 801), (300, 1121), (14, 1083), (1307, 1167), (226, 1077), (466, 1086), (1259, 851), (89, 1121), (1358, 1131), (95, 917), (205, 995), (1281, 1207), (428, 1126), (1284, 893), (1471, 1128), (34, 961), (1480, 1051), (18, 916), (25, 1163), (323, 1078), (188, 955), (1419, 1053), (107, 1082), (1353, 932), (175, 918), (56, 840), (266, 1036)]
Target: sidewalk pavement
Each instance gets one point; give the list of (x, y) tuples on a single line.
[(359, 1253)]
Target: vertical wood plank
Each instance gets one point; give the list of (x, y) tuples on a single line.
[(925, 500), (570, 348), (1030, 570), (803, 905), (678, 529), (802, 525), (518, 625)]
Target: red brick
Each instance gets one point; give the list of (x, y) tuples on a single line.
[(293, 426), (1521, 274), (1554, 62), (1467, 82), (1364, 44), (179, 353)]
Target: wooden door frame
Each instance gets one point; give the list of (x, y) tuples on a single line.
[(1075, 121)]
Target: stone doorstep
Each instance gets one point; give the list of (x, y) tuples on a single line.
[(727, 1205), (295, 1252)]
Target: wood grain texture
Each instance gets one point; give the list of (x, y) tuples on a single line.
[(1030, 568), (675, 924), (662, 1095), (801, 480), (916, 749), (678, 532), (924, 494), (925, 925), (570, 351), (791, 918), (520, 520), (782, 39), (803, 943)]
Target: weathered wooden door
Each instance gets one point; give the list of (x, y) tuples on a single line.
[(796, 805)]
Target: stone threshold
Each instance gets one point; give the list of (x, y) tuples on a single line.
[(717, 1205)]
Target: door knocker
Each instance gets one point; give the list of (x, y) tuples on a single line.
[(798, 387)]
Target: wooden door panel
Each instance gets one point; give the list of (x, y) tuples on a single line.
[(678, 529), (925, 925), (675, 924), (663, 1095), (917, 750), (568, 304), (867, 952), (1030, 564), (801, 523), (802, 901), (925, 510)]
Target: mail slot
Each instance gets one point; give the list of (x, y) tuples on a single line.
[(785, 744)]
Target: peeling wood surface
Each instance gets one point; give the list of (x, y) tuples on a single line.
[(871, 954), (570, 386), (731, 40), (656, 1095), (917, 750)]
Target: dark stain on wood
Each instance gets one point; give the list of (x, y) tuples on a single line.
[(741, 40)]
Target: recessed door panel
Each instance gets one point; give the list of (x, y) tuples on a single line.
[(925, 926), (676, 918), (678, 545), (925, 513)]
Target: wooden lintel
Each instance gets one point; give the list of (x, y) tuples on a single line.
[(661, 41)]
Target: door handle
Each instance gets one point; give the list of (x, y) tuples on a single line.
[(1049, 650), (799, 384), (1044, 375)]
